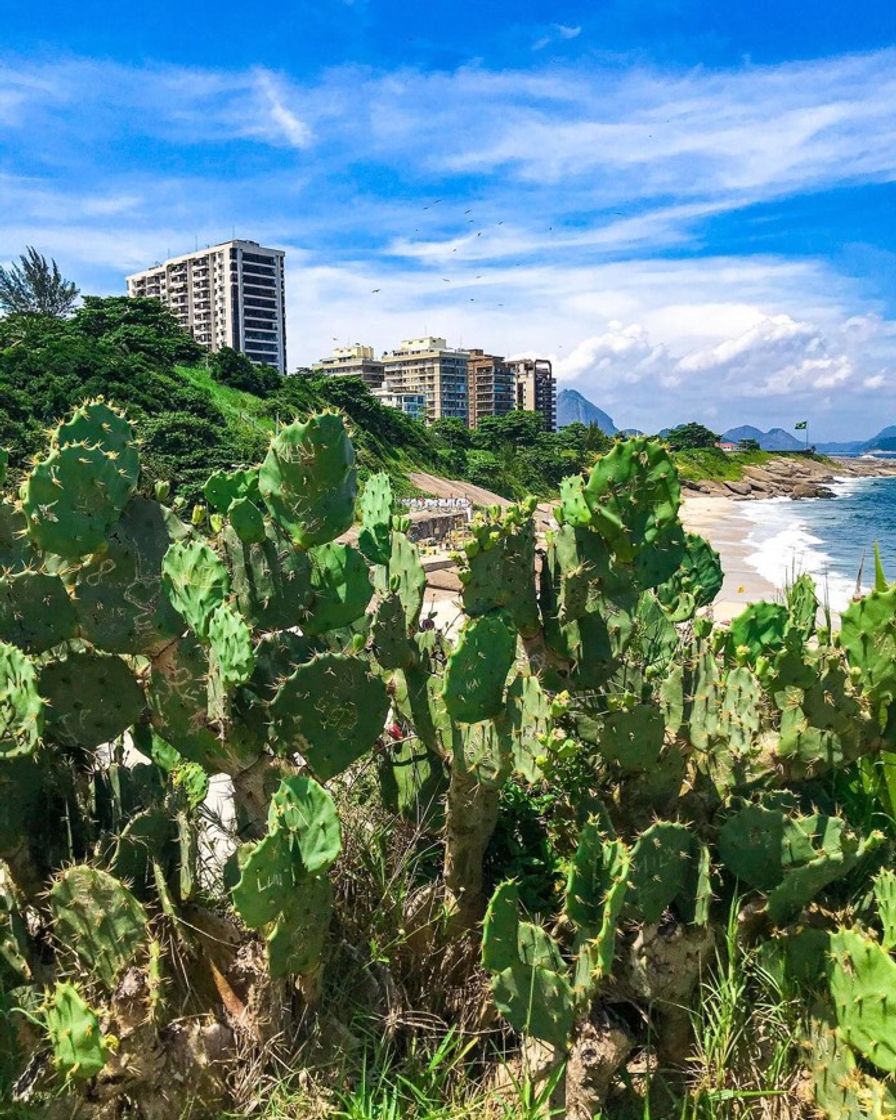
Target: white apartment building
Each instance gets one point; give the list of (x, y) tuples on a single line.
[(232, 294), (353, 361), (411, 404), (427, 366)]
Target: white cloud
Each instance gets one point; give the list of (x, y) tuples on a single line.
[(588, 234), (778, 355), (620, 353), (296, 131), (558, 31)]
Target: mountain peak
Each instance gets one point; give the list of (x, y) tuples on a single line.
[(573, 408), (775, 439)]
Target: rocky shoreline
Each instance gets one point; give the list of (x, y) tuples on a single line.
[(792, 476)]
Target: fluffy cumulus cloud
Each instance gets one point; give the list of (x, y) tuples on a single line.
[(778, 355), (746, 374), (619, 354)]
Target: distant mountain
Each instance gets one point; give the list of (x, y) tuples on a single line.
[(775, 439), (572, 407), (630, 432), (883, 441)]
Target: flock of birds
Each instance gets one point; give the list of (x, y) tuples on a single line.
[(469, 221)]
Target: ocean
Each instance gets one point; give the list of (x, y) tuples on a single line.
[(826, 537)]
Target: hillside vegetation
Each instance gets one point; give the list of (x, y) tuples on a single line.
[(195, 413)]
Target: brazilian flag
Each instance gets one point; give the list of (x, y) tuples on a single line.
[(801, 426)]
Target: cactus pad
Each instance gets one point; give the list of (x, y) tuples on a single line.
[(500, 563), (36, 612), (271, 578), (121, 604), (863, 990), (21, 708), (91, 699), (282, 886), (376, 518), (529, 980), (659, 868), (98, 918), (79, 1050), (177, 696), (308, 479), (74, 496), (247, 520), (332, 710), (196, 583), (340, 588), (223, 488), (696, 582), (478, 668)]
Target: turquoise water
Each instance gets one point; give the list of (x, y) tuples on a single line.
[(826, 537)]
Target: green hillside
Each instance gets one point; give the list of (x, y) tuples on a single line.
[(196, 413)]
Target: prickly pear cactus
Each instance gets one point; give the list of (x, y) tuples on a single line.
[(478, 668), (79, 1049), (121, 604), (76, 494), (331, 710), (375, 507), (36, 612), (308, 480), (863, 990), (596, 891), (21, 708), (91, 699), (283, 889), (659, 873), (789, 857), (695, 584), (340, 588), (633, 494), (196, 583), (498, 572), (98, 918), (530, 985)]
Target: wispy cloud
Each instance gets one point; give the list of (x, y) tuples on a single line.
[(558, 31), (578, 209)]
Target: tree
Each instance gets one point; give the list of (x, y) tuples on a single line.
[(692, 436), (141, 325), (519, 428), (748, 445), (35, 286), (452, 432), (236, 370)]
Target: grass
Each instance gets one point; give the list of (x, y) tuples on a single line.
[(746, 1060), (711, 464)]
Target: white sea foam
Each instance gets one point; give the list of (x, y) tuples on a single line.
[(783, 546)]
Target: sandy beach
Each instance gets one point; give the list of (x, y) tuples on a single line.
[(723, 522)]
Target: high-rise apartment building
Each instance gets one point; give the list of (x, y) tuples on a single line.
[(411, 404), (428, 366), (536, 389), (353, 361), (230, 294), (491, 386)]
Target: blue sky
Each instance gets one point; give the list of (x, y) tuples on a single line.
[(689, 206)]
